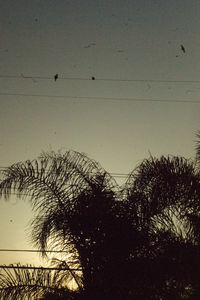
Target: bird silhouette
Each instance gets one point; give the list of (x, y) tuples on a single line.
[(93, 78), (183, 48), (56, 77)]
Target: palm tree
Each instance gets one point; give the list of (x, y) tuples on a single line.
[(133, 242), (163, 197), (71, 197)]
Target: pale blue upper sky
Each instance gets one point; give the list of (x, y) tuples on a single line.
[(106, 39)]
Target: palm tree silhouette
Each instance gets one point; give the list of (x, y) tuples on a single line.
[(133, 242)]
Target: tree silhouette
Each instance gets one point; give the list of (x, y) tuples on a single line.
[(164, 198), (140, 241)]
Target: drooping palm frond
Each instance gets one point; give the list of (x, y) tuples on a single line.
[(27, 282), (54, 177), (54, 182), (161, 177), (162, 190)]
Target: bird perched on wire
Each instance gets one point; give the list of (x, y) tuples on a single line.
[(183, 48), (56, 77)]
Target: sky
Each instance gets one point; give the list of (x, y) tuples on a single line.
[(144, 98)]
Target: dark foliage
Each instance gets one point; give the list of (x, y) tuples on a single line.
[(25, 282), (198, 147), (141, 241)]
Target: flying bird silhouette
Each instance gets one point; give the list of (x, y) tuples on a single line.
[(183, 48), (56, 77)]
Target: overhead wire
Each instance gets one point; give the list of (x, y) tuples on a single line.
[(102, 98), (39, 268), (114, 174), (33, 251), (92, 78)]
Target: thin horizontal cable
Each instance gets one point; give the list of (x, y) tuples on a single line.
[(101, 98), (113, 174), (93, 78), (33, 251), (22, 194), (39, 268)]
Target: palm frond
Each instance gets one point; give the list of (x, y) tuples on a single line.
[(161, 191), (54, 182), (54, 177), (22, 282)]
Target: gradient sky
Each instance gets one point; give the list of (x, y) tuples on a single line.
[(132, 40)]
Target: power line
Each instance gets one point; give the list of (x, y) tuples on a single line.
[(21, 194), (102, 98), (113, 174), (97, 79), (32, 251), (39, 268)]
